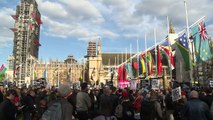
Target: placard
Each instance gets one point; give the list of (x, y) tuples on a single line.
[(133, 85), (211, 83), (144, 83), (155, 84), (176, 94)]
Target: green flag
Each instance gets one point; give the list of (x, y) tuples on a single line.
[(202, 48), (2, 73), (185, 54)]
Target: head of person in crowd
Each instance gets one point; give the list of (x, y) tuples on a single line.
[(84, 87), (107, 91), (194, 94), (153, 96), (10, 94), (208, 91), (147, 97), (32, 93), (64, 90), (113, 89), (125, 95)]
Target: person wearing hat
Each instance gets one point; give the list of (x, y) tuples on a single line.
[(59, 109), (195, 109), (1, 92), (8, 110)]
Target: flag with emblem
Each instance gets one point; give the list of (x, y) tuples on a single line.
[(182, 40), (202, 47)]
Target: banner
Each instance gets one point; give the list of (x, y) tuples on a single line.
[(176, 94)]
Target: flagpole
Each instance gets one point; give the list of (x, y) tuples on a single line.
[(189, 41), (58, 76), (138, 57), (169, 59), (156, 60), (146, 54)]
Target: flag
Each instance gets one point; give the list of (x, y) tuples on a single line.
[(15, 17), (168, 52), (45, 73), (17, 70), (93, 74), (185, 54), (13, 29), (142, 68), (2, 73), (38, 19), (202, 48), (135, 67), (159, 63), (149, 62), (129, 70), (2, 67), (182, 40)]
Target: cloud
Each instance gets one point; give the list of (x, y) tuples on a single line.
[(68, 18), (6, 36)]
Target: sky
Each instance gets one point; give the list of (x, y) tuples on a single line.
[(68, 25)]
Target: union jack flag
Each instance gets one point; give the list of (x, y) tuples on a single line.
[(202, 31)]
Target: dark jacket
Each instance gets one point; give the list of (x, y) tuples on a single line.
[(196, 109), (208, 100), (106, 105), (7, 110), (1, 97), (128, 110)]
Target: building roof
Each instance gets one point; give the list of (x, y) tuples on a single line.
[(114, 58)]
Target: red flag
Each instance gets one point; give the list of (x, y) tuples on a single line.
[(169, 54), (36, 42), (13, 29), (160, 68), (38, 19), (15, 17)]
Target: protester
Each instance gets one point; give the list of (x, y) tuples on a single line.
[(128, 109), (60, 109), (195, 109), (8, 110), (83, 103), (1, 92), (106, 104)]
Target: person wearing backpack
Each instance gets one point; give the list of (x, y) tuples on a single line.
[(127, 107), (150, 108), (60, 109)]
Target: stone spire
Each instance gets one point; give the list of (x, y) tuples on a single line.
[(99, 47), (171, 27)]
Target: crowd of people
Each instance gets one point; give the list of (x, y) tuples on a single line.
[(107, 103)]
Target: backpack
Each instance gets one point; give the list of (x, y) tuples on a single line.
[(54, 112), (119, 111), (148, 109)]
